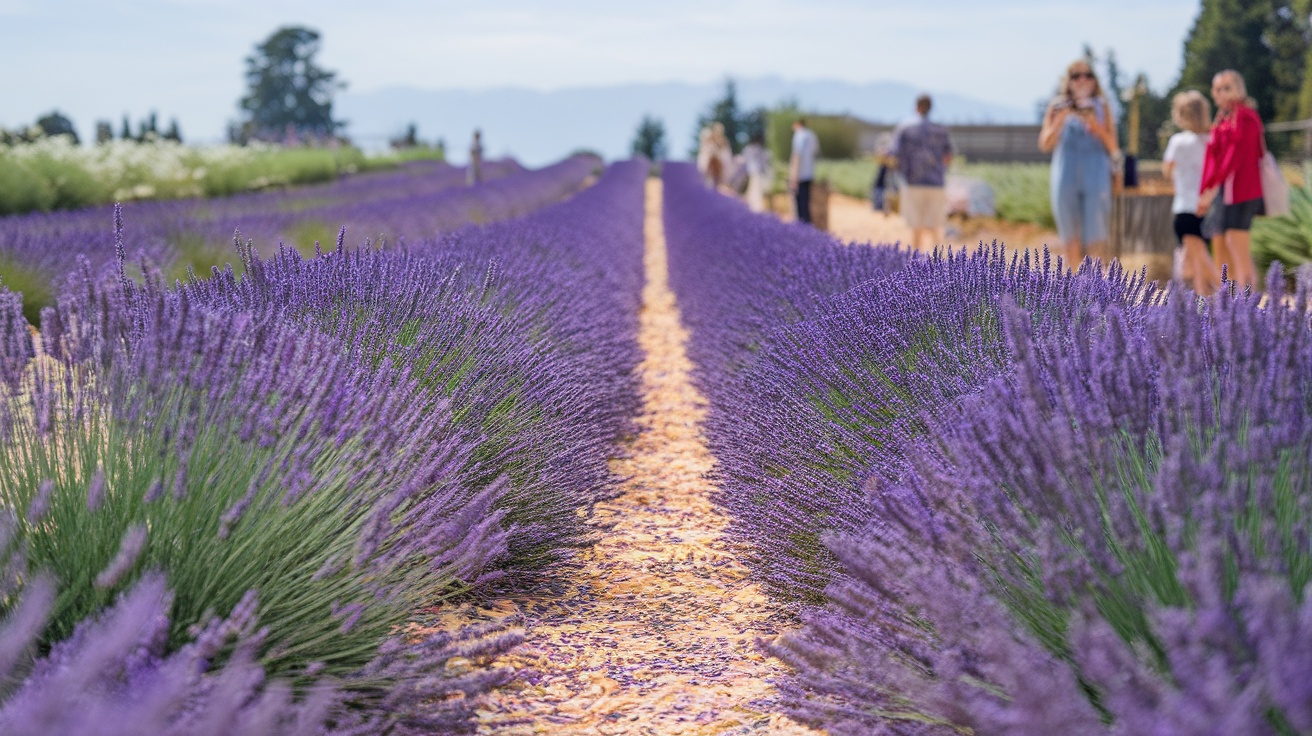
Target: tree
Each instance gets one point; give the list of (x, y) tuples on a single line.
[(725, 112), (753, 123), (1116, 91), (104, 131), (125, 133), (288, 91), (1264, 40), (148, 129), (408, 139), (649, 141), (56, 123), (173, 133)]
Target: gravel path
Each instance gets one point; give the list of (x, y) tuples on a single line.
[(654, 633)]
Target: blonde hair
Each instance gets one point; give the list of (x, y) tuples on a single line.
[(1065, 92), (1190, 111), (1237, 79)]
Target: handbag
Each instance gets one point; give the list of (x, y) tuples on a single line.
[(1275, 190)]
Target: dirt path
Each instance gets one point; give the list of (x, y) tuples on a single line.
[(852, 220), (655, 634)]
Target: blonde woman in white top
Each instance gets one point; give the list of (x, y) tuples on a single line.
[(1183, 163), (760, 172)]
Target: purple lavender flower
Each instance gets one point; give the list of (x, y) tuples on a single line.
[(1129, 517)]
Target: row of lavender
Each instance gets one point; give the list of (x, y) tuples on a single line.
[(419, 200), (1005, 498), (222, 503)]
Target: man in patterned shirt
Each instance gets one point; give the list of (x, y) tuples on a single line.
[(923, 151)]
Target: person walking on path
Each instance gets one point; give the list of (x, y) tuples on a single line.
[(756, 160), (1183, 164), (1079, 132), (923, 151), (1232, 171), (801, 167), (475, 172)]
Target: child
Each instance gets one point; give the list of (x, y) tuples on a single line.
[(1183, 162)]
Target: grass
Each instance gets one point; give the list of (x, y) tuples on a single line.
[(35, 285)]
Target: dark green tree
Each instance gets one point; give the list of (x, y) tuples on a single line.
[(723, 111), (173, 133), (408, 139), (649, 140), (1260, 39), (1115, 90), (104, 131), (1290, 40), (125, 133), (56, 123), (753, 123), (148, 128), (288, 90)]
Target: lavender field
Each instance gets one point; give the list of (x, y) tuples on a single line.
[(578, 450)]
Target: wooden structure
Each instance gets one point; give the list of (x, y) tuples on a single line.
[(1140, 233), (983, 143), (1303, 153), (820, 205)]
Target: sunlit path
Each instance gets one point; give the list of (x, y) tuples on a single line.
[(655, 634)]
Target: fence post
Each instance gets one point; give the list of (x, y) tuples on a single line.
[(820, 204)]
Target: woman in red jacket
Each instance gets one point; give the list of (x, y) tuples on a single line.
[(1232, 170)]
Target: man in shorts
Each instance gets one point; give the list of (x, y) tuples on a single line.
[(923, 151)]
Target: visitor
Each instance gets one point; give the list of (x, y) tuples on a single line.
[(801, 167), (1183, 164), (475, 172), (1232, 174), (713, 154), (1079, 131), (760, 172), (923, 151)]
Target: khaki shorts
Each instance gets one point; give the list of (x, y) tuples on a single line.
[(924, 207)]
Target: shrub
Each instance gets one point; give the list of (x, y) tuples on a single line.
[(1286, 239), (238, 457), (419, 200), (834, 397), (112, 675), (1111, 538), (817, 357), (513, 324)]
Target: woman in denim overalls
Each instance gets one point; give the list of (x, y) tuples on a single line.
[(1079, 131)]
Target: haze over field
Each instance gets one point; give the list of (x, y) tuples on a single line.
[(538, 126), (184, 58)]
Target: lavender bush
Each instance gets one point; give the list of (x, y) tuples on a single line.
[(239, 456), (327, 444), (739, 276), (1113, 537), (527, 328), (835, 398), (418, 200), (112, 676), (817, 358)]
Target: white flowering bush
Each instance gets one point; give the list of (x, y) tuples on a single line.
[(55, 173)]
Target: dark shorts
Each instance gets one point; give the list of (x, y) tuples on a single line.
[(1239, 216), (1187, 223)]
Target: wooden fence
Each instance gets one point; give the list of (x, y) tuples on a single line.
[(985, 143)]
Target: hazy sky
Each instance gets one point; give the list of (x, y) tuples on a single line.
[(103, 58)]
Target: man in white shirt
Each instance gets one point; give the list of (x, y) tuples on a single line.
[(801, 167)]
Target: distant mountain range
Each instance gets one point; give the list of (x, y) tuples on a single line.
[(539, 127)]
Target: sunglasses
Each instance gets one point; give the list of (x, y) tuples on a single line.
[(1081, 75)]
